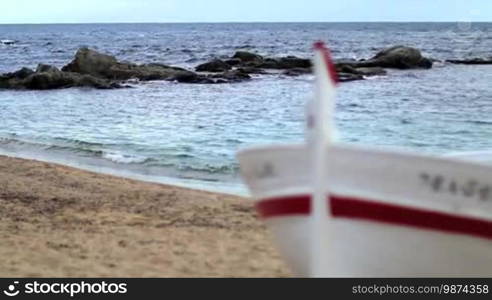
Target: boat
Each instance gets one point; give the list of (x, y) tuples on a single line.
[(342, 210), (7, 42)]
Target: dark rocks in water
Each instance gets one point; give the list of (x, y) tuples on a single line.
[(397, 57), (297, 71), (473, 61), (245, 56), (267, 63), (345, 68), (232, 76), (46, 68), (345, 61), (48, 77), (20, 74), (93, 69), (291, 62), (281, 63), (152, 71), (233, 61), (215, 65), (91, 62), (252, 70), (371, 71), (101, 65), (345, 72), (190, 78), (402, 57), (90, 68), (351, 73), (57, 80), (250, 63), (48, 80), (344, 77)]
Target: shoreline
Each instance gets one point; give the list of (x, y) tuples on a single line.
[(230, 188), (60, 221)]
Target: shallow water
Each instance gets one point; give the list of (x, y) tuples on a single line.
[(188, 134)]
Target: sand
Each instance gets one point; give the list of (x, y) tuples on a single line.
[(57, 221)]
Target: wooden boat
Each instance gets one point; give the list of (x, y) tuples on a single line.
[(352, 211)]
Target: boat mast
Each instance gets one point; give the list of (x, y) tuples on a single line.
[(320, 125)]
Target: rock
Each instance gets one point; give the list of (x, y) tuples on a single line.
[(252, 70), (346, 68), (46, 68), (225, 77), (248, 59), (57, 80), (5, 82), (48, 77), (155, 72), (191, 78), (93, 63), (93, 69), (233, 61), (473, 61), (344, 77), (372, 71), (245, 56), (291, 62), (398, 57), (21, 74), (48, 80), (215, 65), (91, 81), (267, 63), (297, 71), (364, 71), (345, 61), (232, 76), (282, 63)]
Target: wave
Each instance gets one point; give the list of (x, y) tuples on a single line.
[(211, 169), (77, 142), (479, 122), (75, 146), (74, 149), (125, 158)]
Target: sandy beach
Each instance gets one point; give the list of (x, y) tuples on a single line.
[(58, 221)]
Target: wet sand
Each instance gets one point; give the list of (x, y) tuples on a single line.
[(57, 221)]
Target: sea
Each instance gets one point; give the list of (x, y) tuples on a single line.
[(188, 134)]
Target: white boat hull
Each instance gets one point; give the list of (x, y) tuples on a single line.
[(386, 218), (369, 249)]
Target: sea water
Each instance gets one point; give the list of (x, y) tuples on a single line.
[(188, 133)]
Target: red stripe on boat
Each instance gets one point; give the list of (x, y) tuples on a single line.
[(291, 205), (332, 71), (345, 207)]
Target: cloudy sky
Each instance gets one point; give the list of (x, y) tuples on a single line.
[(90, 11)]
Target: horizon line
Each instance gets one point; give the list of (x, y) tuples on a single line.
[(243, 22)]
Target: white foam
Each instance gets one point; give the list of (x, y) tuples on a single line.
[(123, 158)]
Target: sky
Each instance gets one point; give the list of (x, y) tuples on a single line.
[(115, 11)]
